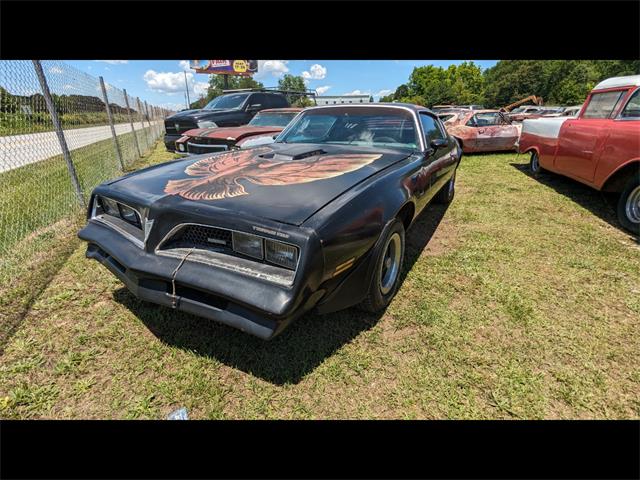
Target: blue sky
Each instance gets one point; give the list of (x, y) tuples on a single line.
[(161, 82)]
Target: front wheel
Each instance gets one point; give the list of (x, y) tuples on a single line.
[(629, 206), (386, 274)]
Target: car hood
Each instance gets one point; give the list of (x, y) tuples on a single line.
[(233, 133), (287, 183)]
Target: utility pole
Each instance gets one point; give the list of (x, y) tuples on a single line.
[(186, 85)]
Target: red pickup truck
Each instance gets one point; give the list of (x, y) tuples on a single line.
[(600, 147)]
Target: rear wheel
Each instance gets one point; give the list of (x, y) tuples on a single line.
[(629, 206), (534, 164), (447, 192), (386, 274)]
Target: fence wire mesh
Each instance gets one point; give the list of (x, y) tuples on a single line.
[(40, 163)]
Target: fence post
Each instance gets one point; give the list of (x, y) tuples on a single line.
[(141, 117), (116, 146), (133, 130), (146, 109), (58, 128)]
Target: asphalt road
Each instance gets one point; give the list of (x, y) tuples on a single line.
[(19, 150)]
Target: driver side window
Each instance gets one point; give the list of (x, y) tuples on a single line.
[(431, 128)]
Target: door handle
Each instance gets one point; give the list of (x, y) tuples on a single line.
[(481, 130)]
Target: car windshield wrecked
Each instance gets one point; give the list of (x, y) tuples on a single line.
[(364, 127)]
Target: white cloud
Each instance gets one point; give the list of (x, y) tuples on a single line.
[(68, 86), (55, 70), (316, 72), (323, 90), (200, 88), (358, 92), (173, 82), (113, 62), (275, 68), (382, 93), (173, 106), (184, 65)]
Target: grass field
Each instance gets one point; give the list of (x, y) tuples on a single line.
[(519, 300)]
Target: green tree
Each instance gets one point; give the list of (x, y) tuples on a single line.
[(295, 84)]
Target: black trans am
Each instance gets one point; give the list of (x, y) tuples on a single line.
[(255, 238)]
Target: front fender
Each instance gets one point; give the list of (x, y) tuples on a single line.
[(349, 226)]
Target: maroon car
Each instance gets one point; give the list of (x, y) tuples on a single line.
[(261, 129)]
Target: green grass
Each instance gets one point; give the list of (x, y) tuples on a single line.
[(520, 300), (37, 195), (13, 123), (39, 216)]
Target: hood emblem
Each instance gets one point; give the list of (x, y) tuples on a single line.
[(217, 177)]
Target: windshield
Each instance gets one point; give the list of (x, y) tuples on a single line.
[(362, 126), (226, 101), (272, 119)]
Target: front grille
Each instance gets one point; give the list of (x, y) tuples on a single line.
[(199, 236), (212, 141), (198, 149), (170, 126)]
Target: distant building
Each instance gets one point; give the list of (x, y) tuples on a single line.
[(342, 99)]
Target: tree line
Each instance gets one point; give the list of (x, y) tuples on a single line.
[(558, 82)]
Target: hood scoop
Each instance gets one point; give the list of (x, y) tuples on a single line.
[(295, 153)]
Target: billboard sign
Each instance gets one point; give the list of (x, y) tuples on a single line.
[(243, 68)]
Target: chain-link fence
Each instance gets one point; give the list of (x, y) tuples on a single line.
[(62, 132)]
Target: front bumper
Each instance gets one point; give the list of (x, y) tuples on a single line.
[(255, 307)]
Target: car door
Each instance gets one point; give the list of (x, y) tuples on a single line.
[(438, 162), (581, 139), (494, 132)]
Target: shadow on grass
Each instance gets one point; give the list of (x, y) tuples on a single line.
[(601, 204), (304, 345)]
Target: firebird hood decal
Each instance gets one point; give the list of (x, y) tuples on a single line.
[(217, 177), (280, 181)]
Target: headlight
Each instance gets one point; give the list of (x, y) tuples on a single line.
[(115, 209), (248, 244), (181, 147), (109, 206), (281, 254), (128, 214), (206, 124)]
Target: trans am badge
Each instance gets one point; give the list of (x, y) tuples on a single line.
[(217, 177)]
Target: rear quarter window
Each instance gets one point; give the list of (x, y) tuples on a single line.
[(632, 109)]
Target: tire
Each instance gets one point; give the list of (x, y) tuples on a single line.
[(534, 164), (447, 192), (389, 259), (629, 206)]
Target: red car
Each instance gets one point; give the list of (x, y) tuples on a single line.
[(600, 147), (481, 130), (260, 130)]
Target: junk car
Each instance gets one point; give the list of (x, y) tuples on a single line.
[(481, 130), (264, 126), (600, 147), (255, 238)]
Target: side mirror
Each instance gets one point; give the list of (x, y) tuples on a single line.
[(254, 108), (439, 143)]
